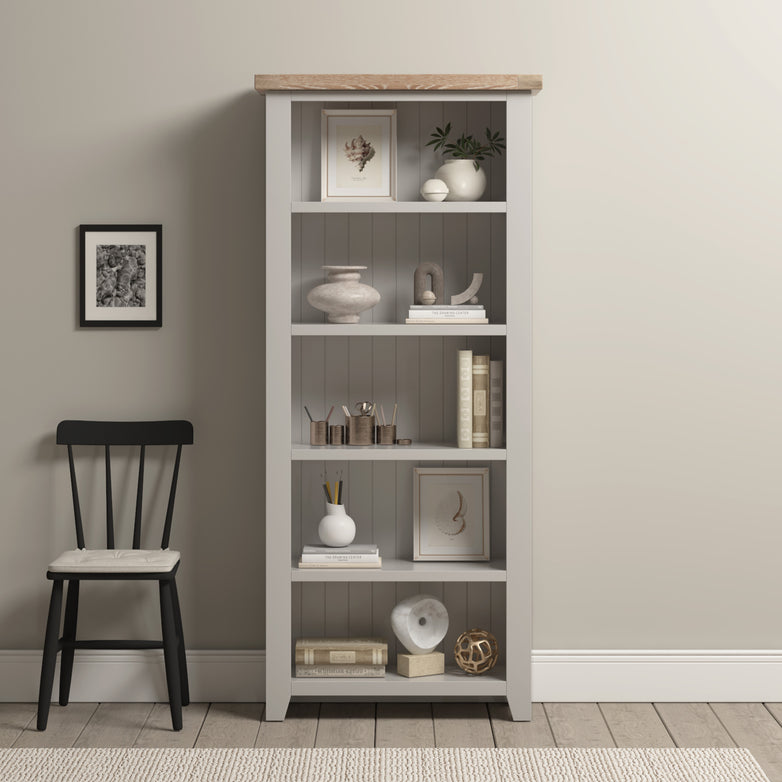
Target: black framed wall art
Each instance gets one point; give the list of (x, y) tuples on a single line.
[(120, 275)]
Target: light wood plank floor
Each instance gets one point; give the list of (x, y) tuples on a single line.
[(756, 726)]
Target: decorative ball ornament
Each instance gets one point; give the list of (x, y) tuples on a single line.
[(476, 651), (434, 190)]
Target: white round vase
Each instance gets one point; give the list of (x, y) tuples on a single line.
[(420, 623), (463, 181), (336, 528), (343, 297)]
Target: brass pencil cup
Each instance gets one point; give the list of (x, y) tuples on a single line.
[(319, 433), (360, 430), (385, 435), (337, 434)]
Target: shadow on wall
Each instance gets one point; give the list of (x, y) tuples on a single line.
[(224, 582)]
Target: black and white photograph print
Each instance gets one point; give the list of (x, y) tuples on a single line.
[(120, 275), (358, 155)]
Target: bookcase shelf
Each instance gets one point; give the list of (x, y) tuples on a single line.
[(399, 207), (382, 359), (398, 330), (454, 683), (400, 570), (418, 452)]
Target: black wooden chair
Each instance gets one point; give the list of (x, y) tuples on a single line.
[(113, 564)]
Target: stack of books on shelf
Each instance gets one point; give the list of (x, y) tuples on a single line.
[(341, 658), (480, 418), (446, 313), (358, 555)]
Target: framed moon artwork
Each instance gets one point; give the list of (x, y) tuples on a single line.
[(451, 513)]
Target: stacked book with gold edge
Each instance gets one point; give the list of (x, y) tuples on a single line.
[(340, 658), (356, 555)]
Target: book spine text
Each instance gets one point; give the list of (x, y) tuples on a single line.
[(480, 401), (464, 400)]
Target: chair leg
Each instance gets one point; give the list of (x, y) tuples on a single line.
[(50, 648), (171, 653), (68, 634), (183, 681)]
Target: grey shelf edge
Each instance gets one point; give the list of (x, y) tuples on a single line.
[(418, 452), (399, 570), (454, 683), (399, 207), (398, 330)]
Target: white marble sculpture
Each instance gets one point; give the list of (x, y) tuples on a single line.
[(420, 623)]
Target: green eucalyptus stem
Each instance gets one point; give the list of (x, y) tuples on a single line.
[(467, 146)]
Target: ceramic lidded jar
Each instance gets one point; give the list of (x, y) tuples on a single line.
[(343, 297), (464, 182)]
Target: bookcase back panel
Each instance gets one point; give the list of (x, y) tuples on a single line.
[(416, 162), (392, 247)]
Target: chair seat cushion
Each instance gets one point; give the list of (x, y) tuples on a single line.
[(117, 560)]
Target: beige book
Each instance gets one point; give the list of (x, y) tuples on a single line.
[(341, 671), (464, 400), (375, 656), (480, 401)]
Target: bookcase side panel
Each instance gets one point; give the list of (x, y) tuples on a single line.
[(278, 403), (519, 408)]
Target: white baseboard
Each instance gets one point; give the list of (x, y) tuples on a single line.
[(557, 675), (656, 675), (223, 676)]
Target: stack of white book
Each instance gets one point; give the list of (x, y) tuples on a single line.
[(446, 313), (357, 555)]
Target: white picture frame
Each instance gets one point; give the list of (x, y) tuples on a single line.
[(358, 155), (451, 514)]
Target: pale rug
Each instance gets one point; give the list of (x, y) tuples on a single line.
[(379, 765)]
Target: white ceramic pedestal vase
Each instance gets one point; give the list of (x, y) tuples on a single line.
[(336, 528), (464, 182), (420, 623), (343, 297)]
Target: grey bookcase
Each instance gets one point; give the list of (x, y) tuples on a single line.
[(311, 362)]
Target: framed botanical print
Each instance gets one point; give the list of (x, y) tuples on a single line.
[(358, 155), (120, 275), (451, 513)]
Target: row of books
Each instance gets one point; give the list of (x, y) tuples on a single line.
[(358, 555), (446, 313), (480, 418), (340, 658)]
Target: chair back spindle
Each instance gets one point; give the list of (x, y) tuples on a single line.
[(109, 502), (76, 505), (139, 494), (171, 497)]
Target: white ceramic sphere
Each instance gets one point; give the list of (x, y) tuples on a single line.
[(420, 623), (434, 190), (336, 528), (464, 182)]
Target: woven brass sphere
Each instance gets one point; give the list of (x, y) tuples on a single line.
[(476, 651)]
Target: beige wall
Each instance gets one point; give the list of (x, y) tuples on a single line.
[(657, 347)]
